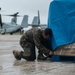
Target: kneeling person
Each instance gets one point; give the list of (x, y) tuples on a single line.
[(34, 38)]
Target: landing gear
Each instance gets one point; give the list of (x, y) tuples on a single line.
[(11, 33)]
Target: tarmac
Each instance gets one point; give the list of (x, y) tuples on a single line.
[(10, 66)]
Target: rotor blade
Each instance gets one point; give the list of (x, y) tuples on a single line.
[(1, 21), (16, 13), (13, 15), (38, 17), (0, 8)]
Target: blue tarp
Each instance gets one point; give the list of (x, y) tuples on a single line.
[(65, 0), (61, 19)]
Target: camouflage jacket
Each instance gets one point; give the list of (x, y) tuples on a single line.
[(34, 36)]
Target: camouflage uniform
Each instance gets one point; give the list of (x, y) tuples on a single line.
[(32, 38)]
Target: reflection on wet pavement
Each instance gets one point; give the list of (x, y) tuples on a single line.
[(10, 66)]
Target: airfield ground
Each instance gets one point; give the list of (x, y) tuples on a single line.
[(10, 66)]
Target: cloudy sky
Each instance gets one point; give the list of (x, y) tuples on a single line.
[(25, 7)]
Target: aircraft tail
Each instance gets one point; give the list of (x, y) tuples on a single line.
[(24, 21), (36, 20)]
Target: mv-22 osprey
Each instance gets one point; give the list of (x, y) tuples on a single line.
[(13, 27)]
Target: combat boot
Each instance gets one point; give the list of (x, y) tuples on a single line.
[(17, 54), (41, 57)]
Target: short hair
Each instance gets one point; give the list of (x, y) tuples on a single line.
[(48, 31)]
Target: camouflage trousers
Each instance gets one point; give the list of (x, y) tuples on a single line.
[(29, 50)]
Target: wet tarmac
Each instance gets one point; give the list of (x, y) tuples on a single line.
[(10, 66)]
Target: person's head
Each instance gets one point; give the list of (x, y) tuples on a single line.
[(47, 33)]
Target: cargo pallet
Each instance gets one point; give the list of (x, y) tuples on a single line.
[(63, 58)]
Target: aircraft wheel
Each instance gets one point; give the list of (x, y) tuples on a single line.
[(3, 33), (11, 33)]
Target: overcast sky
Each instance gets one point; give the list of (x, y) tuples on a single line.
[(25, 7)]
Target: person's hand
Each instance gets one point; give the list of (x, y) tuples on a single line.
[(51, 53)]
